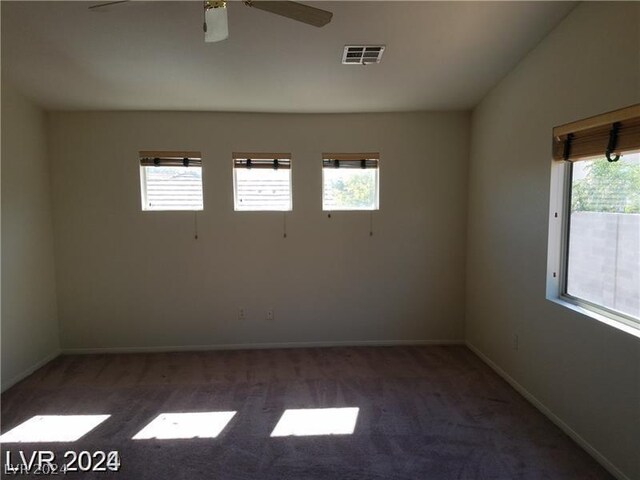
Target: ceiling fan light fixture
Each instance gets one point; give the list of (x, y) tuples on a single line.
[(216, 27)]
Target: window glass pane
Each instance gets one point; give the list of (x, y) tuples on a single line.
[(604, 234), (171, 188), (350, 189), (262, 189)]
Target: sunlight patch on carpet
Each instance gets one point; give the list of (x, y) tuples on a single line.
[(53, 428), (185, 425), (317, 421)]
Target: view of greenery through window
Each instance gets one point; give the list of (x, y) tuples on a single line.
[(602, 186), (350, 189)]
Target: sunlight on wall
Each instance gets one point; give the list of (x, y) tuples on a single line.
[(53, 428), (316, 421), (185, 425)]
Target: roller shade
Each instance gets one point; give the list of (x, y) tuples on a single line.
[(261, 160), (615, 132), (275, 163), (350, 160), (151, 158)]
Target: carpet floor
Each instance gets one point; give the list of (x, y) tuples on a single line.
[(428, 413)]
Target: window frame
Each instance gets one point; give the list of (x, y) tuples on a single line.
[(351, 157), (558, 256), (261, 157), (171, 156)]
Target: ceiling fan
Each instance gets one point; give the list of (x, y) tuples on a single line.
[(215, 14)]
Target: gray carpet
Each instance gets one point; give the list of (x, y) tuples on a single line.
[(432, 413)]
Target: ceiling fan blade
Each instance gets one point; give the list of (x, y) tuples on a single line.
[(294, 10), (106, 4)]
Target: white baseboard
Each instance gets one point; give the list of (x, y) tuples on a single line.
[(21, 376), (256, 346), (590, 449)]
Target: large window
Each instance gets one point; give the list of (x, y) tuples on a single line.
[(594, 230), (171, 180), (350, 182), (262, 182), (603, 261)]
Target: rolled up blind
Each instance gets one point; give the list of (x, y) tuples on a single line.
[(262, 160), (151, 158), (350, 160), (615, 132), (275, 164)]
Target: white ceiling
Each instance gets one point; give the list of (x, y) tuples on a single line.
[(151, 55)]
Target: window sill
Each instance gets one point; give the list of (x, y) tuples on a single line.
[(609, 320), (326, 210), (183, 210)]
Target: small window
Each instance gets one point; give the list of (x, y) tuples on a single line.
[(171, 181), (350, 181), (262, 182), (603, 261)]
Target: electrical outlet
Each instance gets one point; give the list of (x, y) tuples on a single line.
[(516, 342), (270, 314), (242, 313)]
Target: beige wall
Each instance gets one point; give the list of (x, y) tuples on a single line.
[(29, 319), (586, 373), (128, 278)]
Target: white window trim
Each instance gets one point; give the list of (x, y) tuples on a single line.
[(375, 208), (559, 210), (143, 189), (143, 196), (261, 156)]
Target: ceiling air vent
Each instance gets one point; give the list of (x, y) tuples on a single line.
[(362, 54)]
